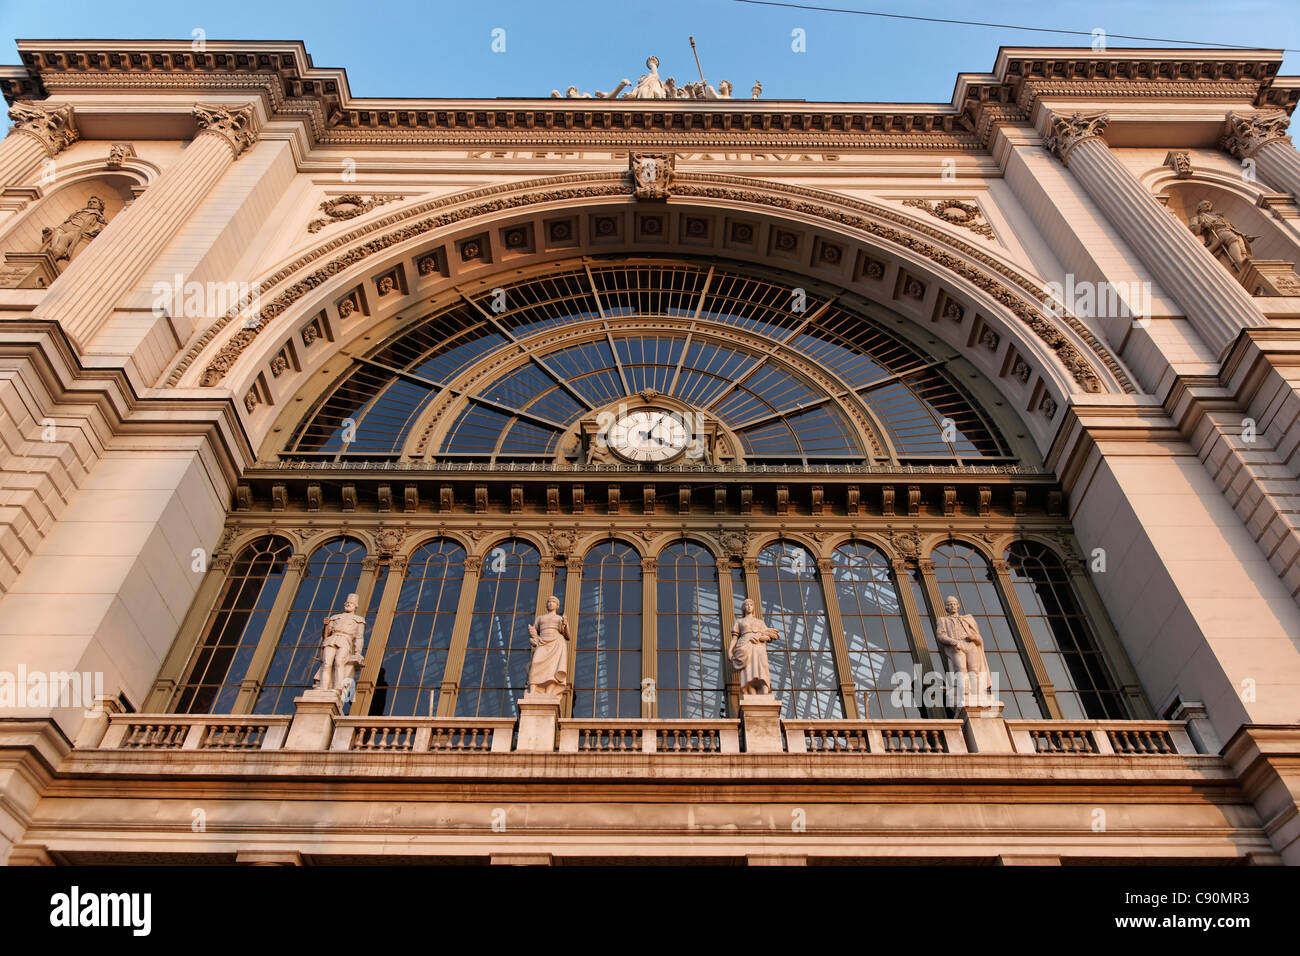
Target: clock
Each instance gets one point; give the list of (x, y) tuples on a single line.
[(648, 436)]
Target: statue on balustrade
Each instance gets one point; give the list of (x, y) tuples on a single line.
[(83, 225), (963, 649), (1219, 235), (342, 645), (748, 650), (548, 673)]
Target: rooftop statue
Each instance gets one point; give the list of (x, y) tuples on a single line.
[(651, 86)]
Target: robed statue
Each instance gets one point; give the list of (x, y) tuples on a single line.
[(963, 648), (342, 644), (748, 651), (548, 673)]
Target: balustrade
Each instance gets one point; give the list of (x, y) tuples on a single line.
[(419, 735)]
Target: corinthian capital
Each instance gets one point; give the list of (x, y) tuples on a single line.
[(1247, 133), (54, 126), (1068, 132), (237, 125)]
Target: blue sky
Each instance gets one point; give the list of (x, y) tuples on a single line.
[(411, 48)]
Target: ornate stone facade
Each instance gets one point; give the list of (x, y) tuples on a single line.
[(375, 408)]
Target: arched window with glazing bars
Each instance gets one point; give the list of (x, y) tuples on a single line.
[(495, 672), (607, 668), (220, 662), (1080, 676), (962, 571), (688, 620), (874, 631), (803, 660), (331, 574), (411, 671)]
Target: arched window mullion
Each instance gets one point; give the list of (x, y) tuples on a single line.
[(333, 571), (803, 661), (607, 664), (494, 673), (689, 633), (230, 604)]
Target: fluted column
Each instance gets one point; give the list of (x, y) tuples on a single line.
[(39, 133), (84, 296), (1262, 137), (1214, 302)]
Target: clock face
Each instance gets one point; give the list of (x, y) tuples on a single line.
[(648, 436)]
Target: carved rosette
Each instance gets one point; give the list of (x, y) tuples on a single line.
[(1248, 134), (1068, 132), (55, 126), (237, 126)]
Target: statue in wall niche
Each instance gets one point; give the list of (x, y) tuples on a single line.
[(83, 225), (342, 643), (1220, 235), (548, 672), (748, 650), (963, 649)]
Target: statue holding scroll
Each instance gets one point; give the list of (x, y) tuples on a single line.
[(548, 673), (748, 650)]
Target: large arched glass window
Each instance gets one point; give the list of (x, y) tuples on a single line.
[(1083, 682), (689, 622), (723, 367), (607, 671), (330, 576), (495, 673), (410, 675), (803, 660), (234, 627), (962, 571), (873, 627)]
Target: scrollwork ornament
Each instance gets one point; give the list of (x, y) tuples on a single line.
[(1068, 132), (55, 127), (1248, 133), (237, 126)]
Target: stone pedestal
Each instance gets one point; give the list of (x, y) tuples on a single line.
[(761, 716), (92, 731), (28, 270), (1270, 277), (314, 714), (539, 716), (983, 726)]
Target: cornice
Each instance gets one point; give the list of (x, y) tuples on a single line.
[(282, 73)]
